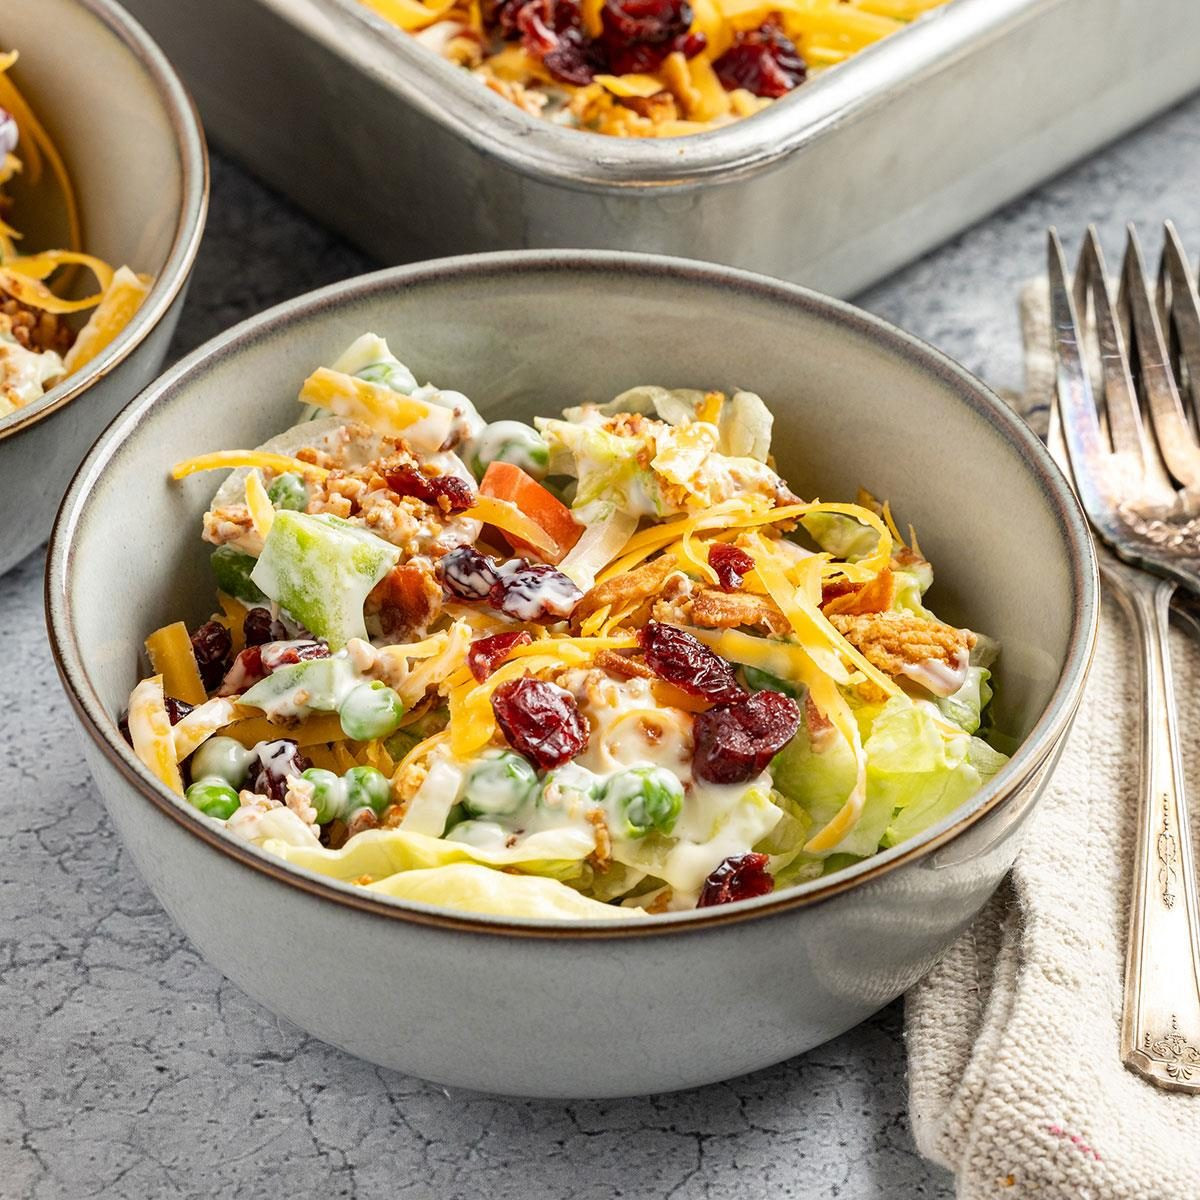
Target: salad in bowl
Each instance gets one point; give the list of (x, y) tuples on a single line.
[(605, 665), (41, 340)]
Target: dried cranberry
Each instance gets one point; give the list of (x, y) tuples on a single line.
[(484, 655), (765, 61), (644, 58), (739, 877), (574, 59), (177, 709), (533, 592), (257, 662), (638, 58), (503, 16), (212, 646), (674, 655), (731, 565), (650, 21), (552, 30), (277, 762), (535, 22), (447, 492), (246, 671), (284, 654), (259, 627), (467, 574), (734, 742), (540, 720)]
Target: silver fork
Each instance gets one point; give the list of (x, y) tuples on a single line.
[(1135, 461)]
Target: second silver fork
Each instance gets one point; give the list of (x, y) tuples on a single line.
[(1126, 476)]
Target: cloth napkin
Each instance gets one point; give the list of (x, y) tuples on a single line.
[(1016, 1081)]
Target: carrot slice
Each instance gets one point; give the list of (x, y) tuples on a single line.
[(504, 481)]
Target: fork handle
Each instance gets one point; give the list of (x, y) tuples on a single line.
[(1160, 1027)]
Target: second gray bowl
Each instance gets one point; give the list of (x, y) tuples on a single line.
[(590, 1008)]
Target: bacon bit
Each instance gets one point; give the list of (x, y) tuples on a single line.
[(821, 732), (407, 600), (712, 609), (622, 666), (601, 857), (839, 585), (876, 596), (485, 654), (661, 902), (246, 671), (620, 592), (363, 880), (392, 816)]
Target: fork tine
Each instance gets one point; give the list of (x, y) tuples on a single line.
[(1120, 397), (1172, 431), (1075, 408), (1183, 307)]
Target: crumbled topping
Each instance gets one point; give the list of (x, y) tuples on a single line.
[(892, 641), (298, 798)]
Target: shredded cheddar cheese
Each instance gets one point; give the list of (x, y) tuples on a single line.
[(171, 656), (223, 459), (262, 511), (150, 732), (426, 427)]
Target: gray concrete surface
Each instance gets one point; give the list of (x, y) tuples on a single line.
[(129, 1068)]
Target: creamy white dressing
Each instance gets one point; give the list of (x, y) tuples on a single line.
[(629, 730), (938, 677), (467, 423), (293, 691), (536, 595), (24, 373), (257, 823), (429, 809)]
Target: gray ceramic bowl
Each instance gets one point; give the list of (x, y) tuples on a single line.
[(135, 150), (601, 1009)]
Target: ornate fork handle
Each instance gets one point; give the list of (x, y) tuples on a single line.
[(1160, 1027)]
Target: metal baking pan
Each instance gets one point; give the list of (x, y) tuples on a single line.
[(858, 172)]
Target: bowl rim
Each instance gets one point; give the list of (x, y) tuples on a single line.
[(192, 151), (1035, 751)]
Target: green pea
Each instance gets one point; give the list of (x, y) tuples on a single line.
[(222, 758), (214, 797), (232, 570), (329, 794), (367, 788), (512, 442), (498, 786), (394, 375), (288, 491), (646, 800), (477, 833), (371, 710)]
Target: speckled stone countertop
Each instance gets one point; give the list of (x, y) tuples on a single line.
[(128, 1067)]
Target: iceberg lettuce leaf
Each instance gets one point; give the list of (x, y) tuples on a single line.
[(468, 887)]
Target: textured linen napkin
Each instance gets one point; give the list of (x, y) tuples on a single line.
[(1016, 1081)]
